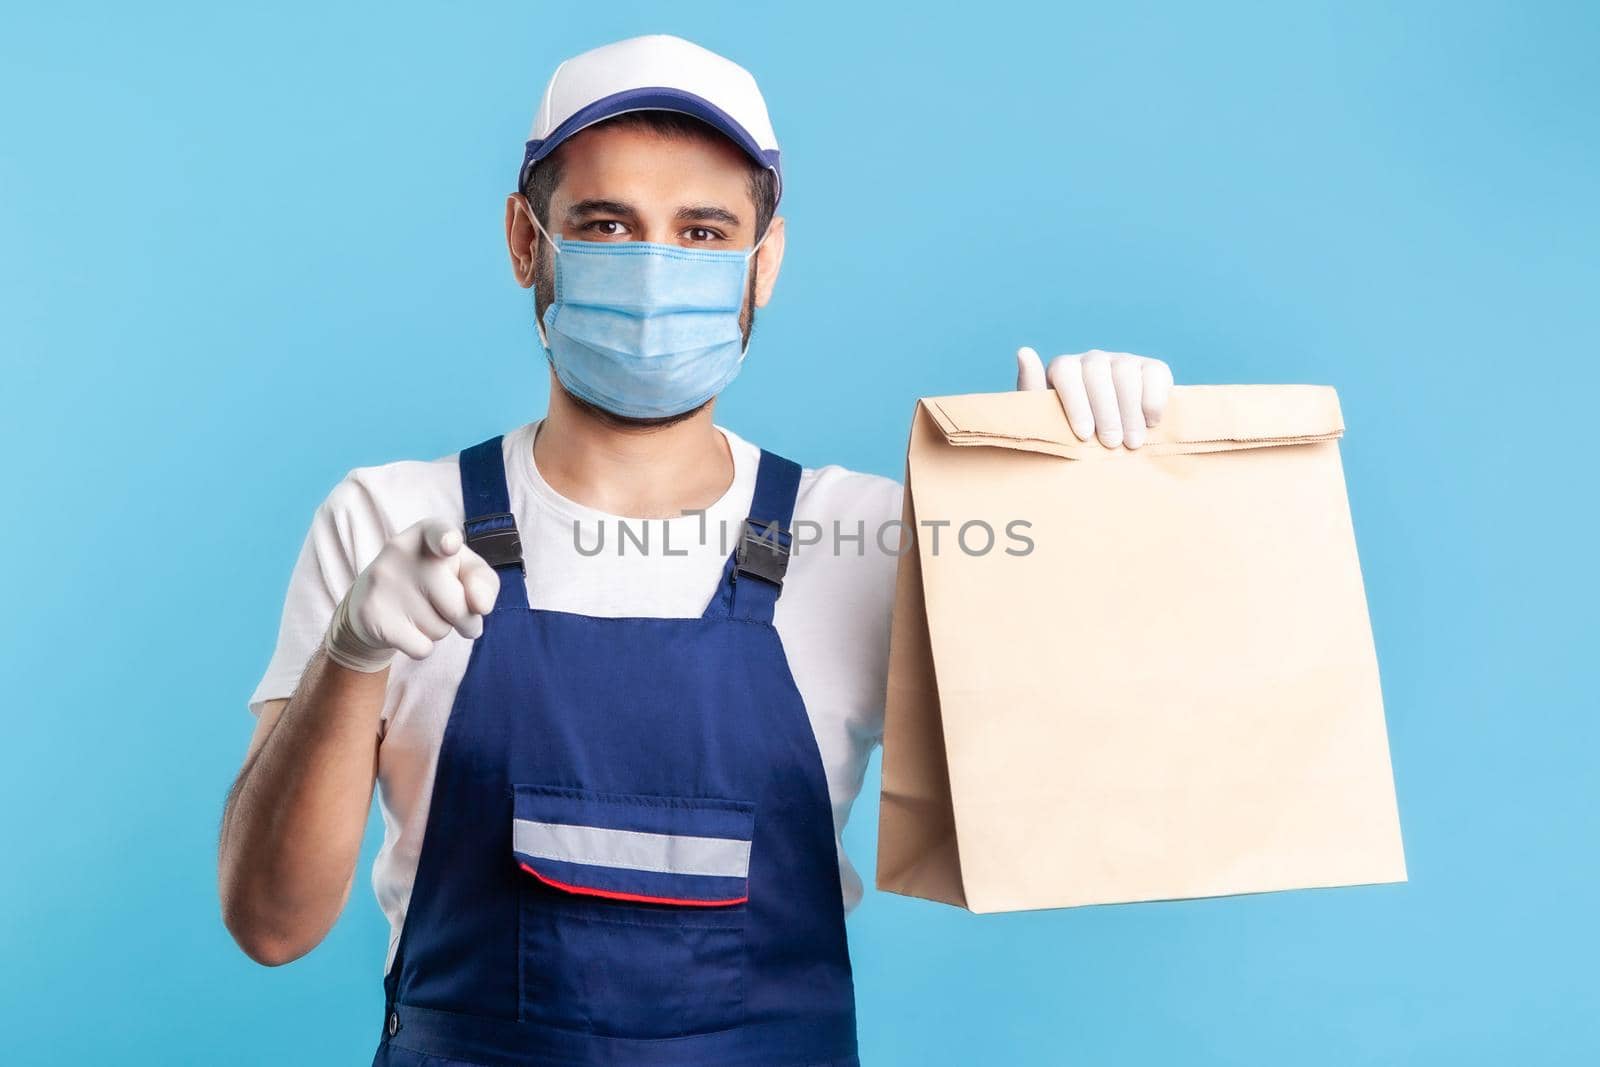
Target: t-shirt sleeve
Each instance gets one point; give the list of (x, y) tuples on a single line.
[(346, 532), (834, 617), (875, 572), (891, 495), (874, 583)]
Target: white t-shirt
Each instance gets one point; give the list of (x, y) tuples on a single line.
[(833, 614)]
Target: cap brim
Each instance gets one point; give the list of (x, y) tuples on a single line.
[(651, 99)]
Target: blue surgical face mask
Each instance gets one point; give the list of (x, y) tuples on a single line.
[(645, 330)]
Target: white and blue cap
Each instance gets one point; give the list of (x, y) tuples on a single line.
[(654, 73)]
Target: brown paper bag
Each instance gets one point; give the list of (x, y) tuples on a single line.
[(1173, 693)]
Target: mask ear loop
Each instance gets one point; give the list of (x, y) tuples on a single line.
[(749, 256), (757, 246), (555, 249)]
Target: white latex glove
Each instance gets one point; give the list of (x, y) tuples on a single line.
[(421, 585), (1112, 396)]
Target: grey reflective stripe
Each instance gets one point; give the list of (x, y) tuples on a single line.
[(599, 846)]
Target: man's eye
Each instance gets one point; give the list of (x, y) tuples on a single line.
[(701, 233), (605, 227)]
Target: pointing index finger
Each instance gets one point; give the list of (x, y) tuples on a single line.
[(441, 539), (481, 583)]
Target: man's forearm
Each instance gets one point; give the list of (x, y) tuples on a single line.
[(295, 818)]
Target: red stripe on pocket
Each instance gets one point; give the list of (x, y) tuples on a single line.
[(613, 895)]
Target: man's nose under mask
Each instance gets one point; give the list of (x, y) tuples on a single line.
[(645, 330)]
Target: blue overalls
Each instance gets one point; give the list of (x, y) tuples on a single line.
[(629, 856)]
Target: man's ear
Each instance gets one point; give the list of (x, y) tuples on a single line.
[(768, 260), (522, 239)]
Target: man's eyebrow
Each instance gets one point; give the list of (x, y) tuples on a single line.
[(707, 213), (584, 208)]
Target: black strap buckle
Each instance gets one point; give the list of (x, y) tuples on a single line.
[(494, 537), (763, 551)]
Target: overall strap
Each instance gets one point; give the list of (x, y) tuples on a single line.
[(753, 575), (490, 529)]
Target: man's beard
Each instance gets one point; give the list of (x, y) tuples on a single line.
[(544, 294)]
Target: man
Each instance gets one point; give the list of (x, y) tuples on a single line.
[(635, 705)]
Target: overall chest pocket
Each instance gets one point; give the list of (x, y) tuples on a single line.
[(632, 910)]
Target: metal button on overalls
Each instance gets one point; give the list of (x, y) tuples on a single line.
[(630, 856)]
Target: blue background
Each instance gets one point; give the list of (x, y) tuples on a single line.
[(245, 250)]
